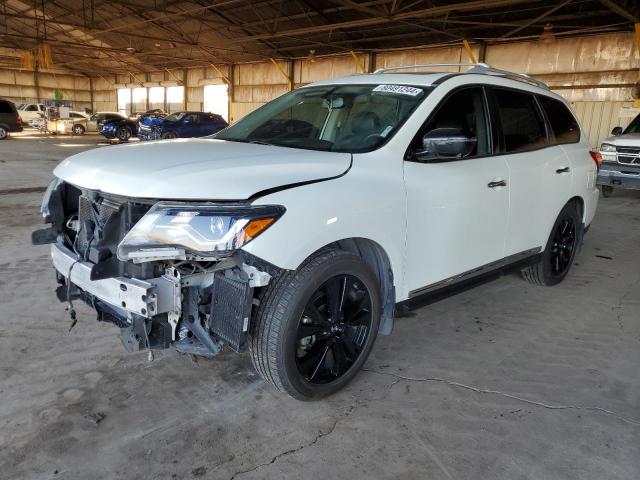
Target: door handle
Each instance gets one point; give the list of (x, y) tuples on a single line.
[(563, 170), (497, 183)]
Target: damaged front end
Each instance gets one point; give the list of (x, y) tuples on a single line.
[(164, 272)]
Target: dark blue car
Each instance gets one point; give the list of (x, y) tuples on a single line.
[(183, 125)]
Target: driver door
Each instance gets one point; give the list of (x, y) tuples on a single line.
[(457, 208)]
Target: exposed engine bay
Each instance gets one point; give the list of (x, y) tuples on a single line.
[(161, 295)]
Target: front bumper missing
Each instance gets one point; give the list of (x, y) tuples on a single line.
[(130, 296)]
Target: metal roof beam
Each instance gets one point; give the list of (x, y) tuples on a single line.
[(428, 12), (537, 19), (614, 7)]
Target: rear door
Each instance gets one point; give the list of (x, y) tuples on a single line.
[(539, 170), (457, 208)]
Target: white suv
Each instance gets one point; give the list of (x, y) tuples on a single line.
[(30, 111), (298, 231)]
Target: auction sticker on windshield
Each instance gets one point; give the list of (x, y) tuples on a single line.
[(401, 89)]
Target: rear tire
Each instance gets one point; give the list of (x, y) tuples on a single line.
[(560, 250), (3, 133), (297, 344)]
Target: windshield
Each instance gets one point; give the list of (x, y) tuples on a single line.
[(634, 126), (347, 118), (175, 117)]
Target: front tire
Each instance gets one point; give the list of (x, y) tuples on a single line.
[(560, 250), (315, 326), (607, 190), (169, 136), (123, 134), (77, 130)]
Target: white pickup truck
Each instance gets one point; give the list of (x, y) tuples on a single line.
[(620, 159)]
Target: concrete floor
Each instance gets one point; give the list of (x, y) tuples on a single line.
[(506, 381)]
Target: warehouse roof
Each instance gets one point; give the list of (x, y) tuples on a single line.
[(150, 35)]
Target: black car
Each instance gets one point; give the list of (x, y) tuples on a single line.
[(10, 121)]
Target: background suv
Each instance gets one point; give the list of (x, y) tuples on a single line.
[(296, 232), (10, 121), (621, 159)]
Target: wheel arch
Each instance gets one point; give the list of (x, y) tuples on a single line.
[(580, 203), (378, 260)]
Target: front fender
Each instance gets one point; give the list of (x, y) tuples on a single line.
[(364, 203)]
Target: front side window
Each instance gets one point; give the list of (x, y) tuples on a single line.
[(458, 129), (345, 118), (522, 126), (563, 124)]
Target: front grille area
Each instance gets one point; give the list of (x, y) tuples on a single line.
[(629, 155), (93, 214)]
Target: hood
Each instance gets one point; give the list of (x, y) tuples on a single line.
[(626, 140), (151, 120), (197, 169)]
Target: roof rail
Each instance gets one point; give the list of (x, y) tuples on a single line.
[(430, 65), (520, 77), (481, 68)]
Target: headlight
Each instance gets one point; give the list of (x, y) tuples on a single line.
[(607, 147), (171, 228), (608, 152)]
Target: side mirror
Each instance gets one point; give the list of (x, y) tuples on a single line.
[(616, 131), (445, 144)]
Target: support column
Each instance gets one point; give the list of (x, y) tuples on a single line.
[(91, 94), (482, 53), (36, 81), (185, 100)]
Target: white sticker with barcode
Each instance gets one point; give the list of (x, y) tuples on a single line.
[(401, 89)]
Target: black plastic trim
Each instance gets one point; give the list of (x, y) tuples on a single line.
[(423, 299)]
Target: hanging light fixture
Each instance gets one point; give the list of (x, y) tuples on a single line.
[(547, 35)]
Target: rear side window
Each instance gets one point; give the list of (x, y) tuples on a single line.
[(5, 107), (522, 125), (563, 123)]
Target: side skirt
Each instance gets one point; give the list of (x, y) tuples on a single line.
[(465, 281)]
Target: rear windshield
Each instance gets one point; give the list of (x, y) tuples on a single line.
[(346, 118)]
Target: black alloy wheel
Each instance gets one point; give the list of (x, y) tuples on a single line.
[(316, 325), (333, 329), (561, 248), (564, 242)]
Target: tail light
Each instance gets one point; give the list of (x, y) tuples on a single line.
[(596, 157), (19, 121)]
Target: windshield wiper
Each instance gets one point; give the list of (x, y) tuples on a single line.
[(261, 142)]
